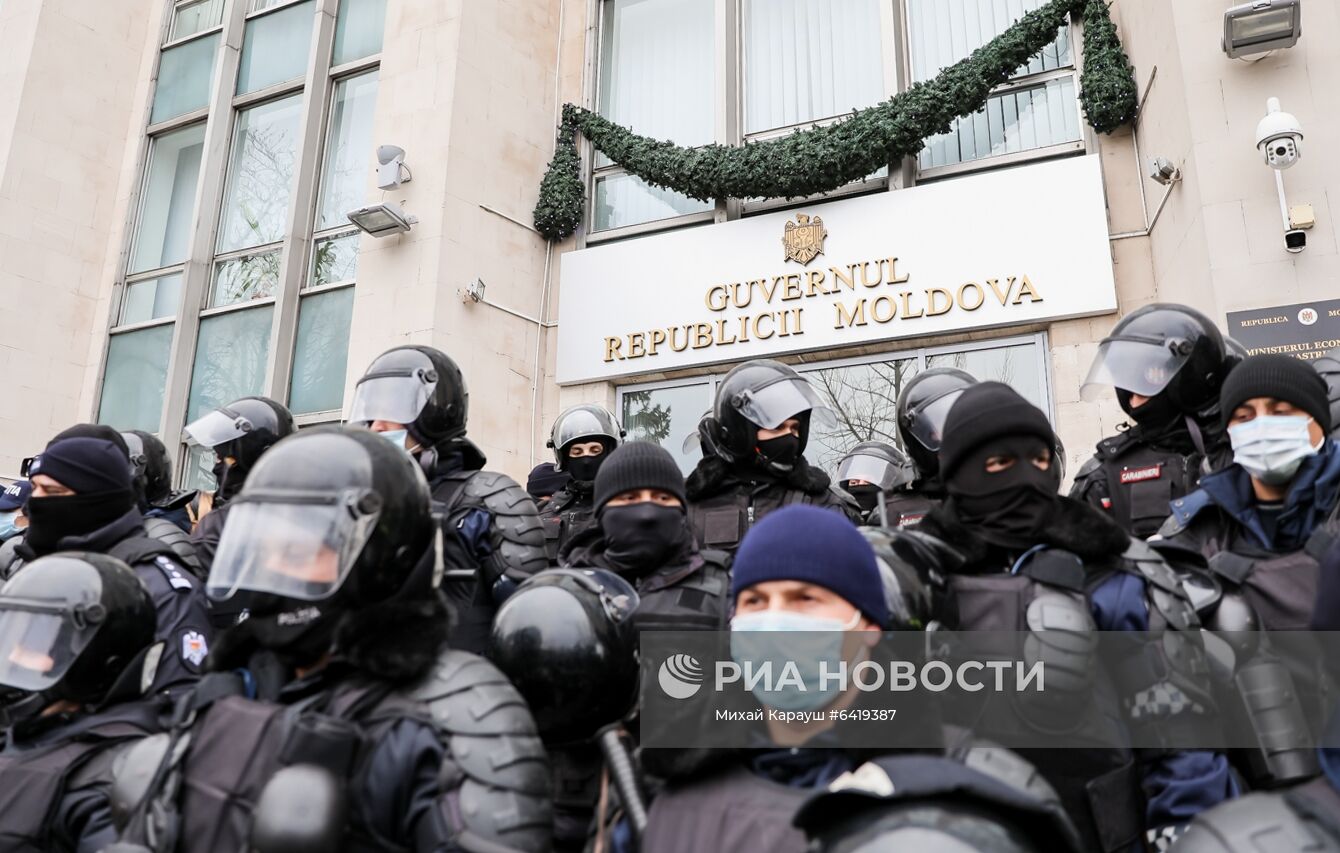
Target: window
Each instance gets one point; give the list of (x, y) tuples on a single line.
[(270, 203), (256, 203), (1037, 109), (184, 75), (798, 63), (668, 415), (863, 394), (358, 30), (164, 225), (275, 48), (657, 76)]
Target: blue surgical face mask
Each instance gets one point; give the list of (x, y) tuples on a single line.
[(812, 644), (8, 525), (1272, 447), (398, 437)]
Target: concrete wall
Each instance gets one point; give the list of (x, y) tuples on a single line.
[(69, 73)]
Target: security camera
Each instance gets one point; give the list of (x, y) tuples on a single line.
[(392, 172), (1163, 171), (1279, 137), (1295, 240)]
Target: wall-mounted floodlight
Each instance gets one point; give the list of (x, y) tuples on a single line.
[(1261, 26), (392, 172), (381, 220)]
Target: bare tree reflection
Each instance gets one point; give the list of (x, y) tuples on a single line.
[(864, 400), (230, 358), (644, 420)]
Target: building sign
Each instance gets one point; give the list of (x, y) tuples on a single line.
[(1307, 330), (1005, 248)]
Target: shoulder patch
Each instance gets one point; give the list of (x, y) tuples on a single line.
[(176, 577), (194, 647)]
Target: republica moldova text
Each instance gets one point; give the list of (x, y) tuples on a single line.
[(893, 676)]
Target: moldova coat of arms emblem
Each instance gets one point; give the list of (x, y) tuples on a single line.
[(804, 239)]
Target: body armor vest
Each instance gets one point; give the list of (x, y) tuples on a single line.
[(1302, 818), (471, 601), (1099, 786), (906, 508), (732, 810), (686, 598), (567, 513), (721, 520), (1142, 480), (33, 781)]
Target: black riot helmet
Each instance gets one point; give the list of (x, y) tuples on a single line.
[(565, 638), (1329, 368), (336, 517), (1235, 354), (923, 405), (1165, 351), (150, 464), (586, 422), (761, 394), (906, 592), (418, 386), (71, 624), (880, 464), (243, 429)]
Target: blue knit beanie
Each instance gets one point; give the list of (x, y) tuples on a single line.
[(818, 546)]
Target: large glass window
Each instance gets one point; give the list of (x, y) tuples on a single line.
[(136, 373), (275, 48), (184, 74), (810, 59), (1039, 109), (862, 394), (349, 150), (230, 357), (657, 75), (195, 16), (321, 351), (668, 416), (164, 226), (151, 299), (358, 30)]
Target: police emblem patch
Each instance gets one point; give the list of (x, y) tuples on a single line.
[(194, 648)]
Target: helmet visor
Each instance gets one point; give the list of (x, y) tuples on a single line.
[(394, 396), (1143, 367), (584, 423), (297, 546), (38, 645), (771, 405), (928, 424), (872, 469), (218, 427)]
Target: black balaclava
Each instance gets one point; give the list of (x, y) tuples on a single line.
[(867, 495), (584, 468), (1158, 413), (98, 472), (642, 537), (1009, 508), (229, 479)]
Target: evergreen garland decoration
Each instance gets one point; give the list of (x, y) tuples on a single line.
[(825, 158)]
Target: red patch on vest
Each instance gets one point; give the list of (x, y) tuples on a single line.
[(910, 519), (1139, 475)]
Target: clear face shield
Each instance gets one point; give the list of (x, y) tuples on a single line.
[(218, 427), (393, 395), (1138, 364), (293, 545), (872, 469), (771, 405), (41, 640), (928, 424)]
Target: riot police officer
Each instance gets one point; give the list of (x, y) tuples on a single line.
[(1329, 368), (566, 639), (415, 396), (332, 544), (75, 635), (874, 474), (753, 454), (921, 409), (13, 521), (1261, 523), (238, 433), (83, 500), (165, 514), (1015, 555), (1167, 363), (582, 439)]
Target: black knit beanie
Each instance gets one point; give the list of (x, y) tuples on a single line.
[(986, 411), (1280, 377), (638, 465)]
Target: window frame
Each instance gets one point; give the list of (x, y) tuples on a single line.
[(729, 50)]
